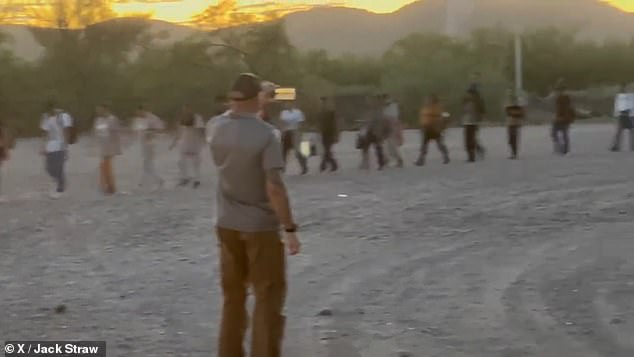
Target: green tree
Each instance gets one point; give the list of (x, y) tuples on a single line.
[(83, 54)]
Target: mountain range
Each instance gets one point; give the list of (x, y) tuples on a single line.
[(341, 30)]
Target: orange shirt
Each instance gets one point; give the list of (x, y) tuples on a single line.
[(431, 115)]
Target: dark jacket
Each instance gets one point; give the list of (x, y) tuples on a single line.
[(377, 125), (565, 112), (328, 124)]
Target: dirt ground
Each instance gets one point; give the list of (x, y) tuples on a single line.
[(504, 258)]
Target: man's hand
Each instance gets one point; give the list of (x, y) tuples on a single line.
[(292, 243)]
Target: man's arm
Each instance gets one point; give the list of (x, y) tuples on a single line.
[(276, 191), (44, 133)]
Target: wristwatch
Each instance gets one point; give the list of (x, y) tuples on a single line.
[(291, 229)]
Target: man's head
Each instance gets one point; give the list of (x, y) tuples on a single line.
[(245, 93), (51, 107), (472, 93), (560, 86), (102, 109), (141, 111)]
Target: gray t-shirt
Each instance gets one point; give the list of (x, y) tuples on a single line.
[(243, 148)]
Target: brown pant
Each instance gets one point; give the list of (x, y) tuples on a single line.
[(107, 176), (255, 259)]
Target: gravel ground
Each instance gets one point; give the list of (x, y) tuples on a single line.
[(504, 258)]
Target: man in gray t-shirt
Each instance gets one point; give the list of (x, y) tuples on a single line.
[(252, 202)]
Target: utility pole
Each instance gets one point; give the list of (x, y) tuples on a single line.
[(519, 69)]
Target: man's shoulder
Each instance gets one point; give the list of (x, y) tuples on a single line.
[(225, 119), (219, 119)]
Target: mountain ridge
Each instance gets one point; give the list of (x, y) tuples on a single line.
[(340, 30)]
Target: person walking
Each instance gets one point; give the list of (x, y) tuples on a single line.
[(329, 135), (515, 114), (56, 127), (473, 112), (564, 117), (433, 125), (292, 119), (269, 109), (6, 145), (108, 133), (373, 134), (394, 139), (252, 202), (624, 114), (190, 137), (148, 126)]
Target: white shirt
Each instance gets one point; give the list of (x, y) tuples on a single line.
[(54, 126), (292, 119), (391, 112), (623, 102), (146, 126)]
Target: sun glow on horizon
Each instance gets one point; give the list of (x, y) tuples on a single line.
[(218, 13), (625, 5), (185, 10)]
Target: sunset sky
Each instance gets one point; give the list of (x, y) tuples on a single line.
[(179, 11)]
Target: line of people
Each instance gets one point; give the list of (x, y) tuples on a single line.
[(381, 129), (382, 132), (59, 133)]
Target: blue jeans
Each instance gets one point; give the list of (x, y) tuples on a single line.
[(561, 137), (55, 162)]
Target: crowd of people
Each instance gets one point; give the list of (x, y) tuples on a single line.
[(381, 132)]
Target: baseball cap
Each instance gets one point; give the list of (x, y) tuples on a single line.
[(247, 86)]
